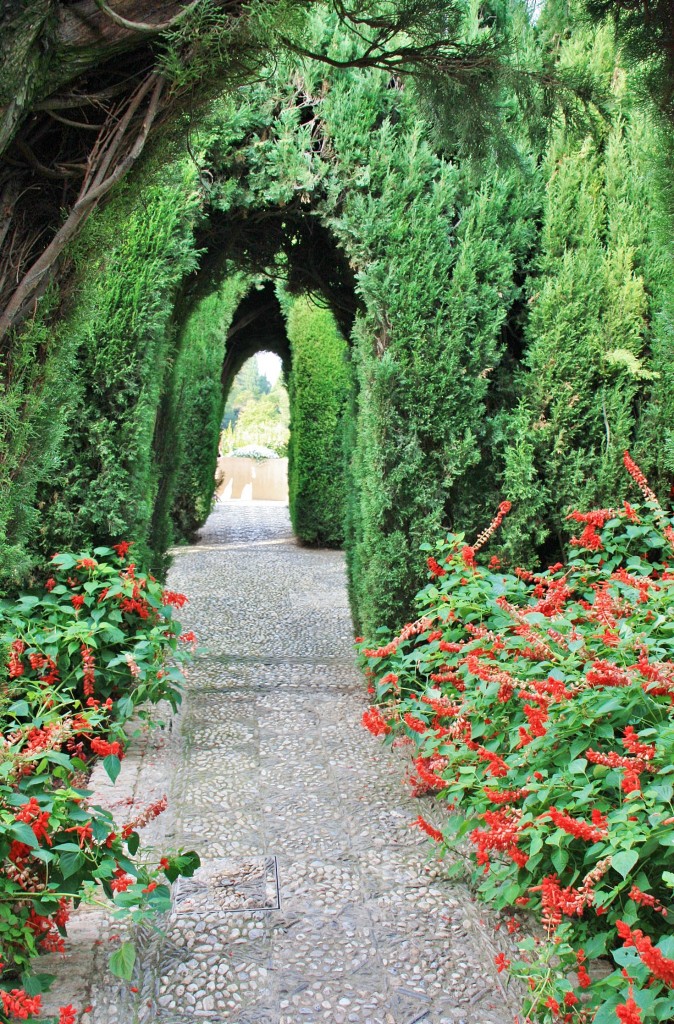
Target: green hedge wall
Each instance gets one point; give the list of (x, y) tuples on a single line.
[(318, 390), (130, 261), (188, 423), (597, 372), (37, 387), (514, 328)]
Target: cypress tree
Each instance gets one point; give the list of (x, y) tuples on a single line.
[(591, 346), (318, 390)]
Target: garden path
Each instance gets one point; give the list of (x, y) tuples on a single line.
[(316, 901)]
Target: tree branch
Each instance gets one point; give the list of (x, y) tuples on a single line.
[(94, 188), (141, 27)]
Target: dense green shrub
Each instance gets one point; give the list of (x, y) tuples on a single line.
[(595, 374), (188, 427), (35, 397), (539, 710), (131, 259), (318, 392)]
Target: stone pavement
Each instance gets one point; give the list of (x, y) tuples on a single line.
[(316, 901)]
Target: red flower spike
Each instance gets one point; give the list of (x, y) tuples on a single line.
[(19, 1004), (639, 478), (414, 723), (646, 900), (373, 721), (575, 826), (88, 670), (426, 827), (628, 1013), (658, 964)]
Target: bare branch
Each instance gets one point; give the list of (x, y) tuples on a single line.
[(46, 172), (74, 124), (92, 191), (141, 27), (69, 101)]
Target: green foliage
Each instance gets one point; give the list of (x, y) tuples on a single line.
[(130, 261), (539, 709), (188, 428), (599, 341), (318, 392), (513, 323), (256, 413), (249, 385), (36, 390)]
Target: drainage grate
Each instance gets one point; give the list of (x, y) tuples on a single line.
[(250, 884), (233, 885)]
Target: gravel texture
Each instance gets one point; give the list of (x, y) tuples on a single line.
[(316, 902)]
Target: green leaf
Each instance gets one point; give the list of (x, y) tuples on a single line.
[(115, 636), (596, 945), (112, 765), (46, 856), (71, 862), (663, 1009), (122, 961), (64, 561), (125, 707), (133, 843), (24, 833), (606, 1013), (58, 758), (35, 984), (19, 708), (624, 861)]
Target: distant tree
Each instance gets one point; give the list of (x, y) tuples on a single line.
[(249, 386), (256, 413)]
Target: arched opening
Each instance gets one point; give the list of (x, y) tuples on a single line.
[(253, 451), (223, 331)]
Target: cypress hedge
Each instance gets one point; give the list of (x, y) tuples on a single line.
[(512, 329), (188, 424), (596, 375), (318, 391)]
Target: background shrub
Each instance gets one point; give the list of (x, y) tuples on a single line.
[(318, 391)]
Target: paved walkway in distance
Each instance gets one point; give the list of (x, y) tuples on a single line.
[(316, 901)]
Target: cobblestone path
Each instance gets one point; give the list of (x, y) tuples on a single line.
[(316, 901)]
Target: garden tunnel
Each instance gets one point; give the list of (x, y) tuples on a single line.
[(463, 293), (298, 316)]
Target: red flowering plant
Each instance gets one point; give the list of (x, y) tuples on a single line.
[(95, 645), (539, 710)]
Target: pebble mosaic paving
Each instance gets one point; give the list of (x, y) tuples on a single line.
[(316, 901)]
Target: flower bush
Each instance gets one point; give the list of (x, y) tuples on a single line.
[(92, 647), (539, 711)]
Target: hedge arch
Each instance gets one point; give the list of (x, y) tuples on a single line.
[(217, 339), (433, 269)]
